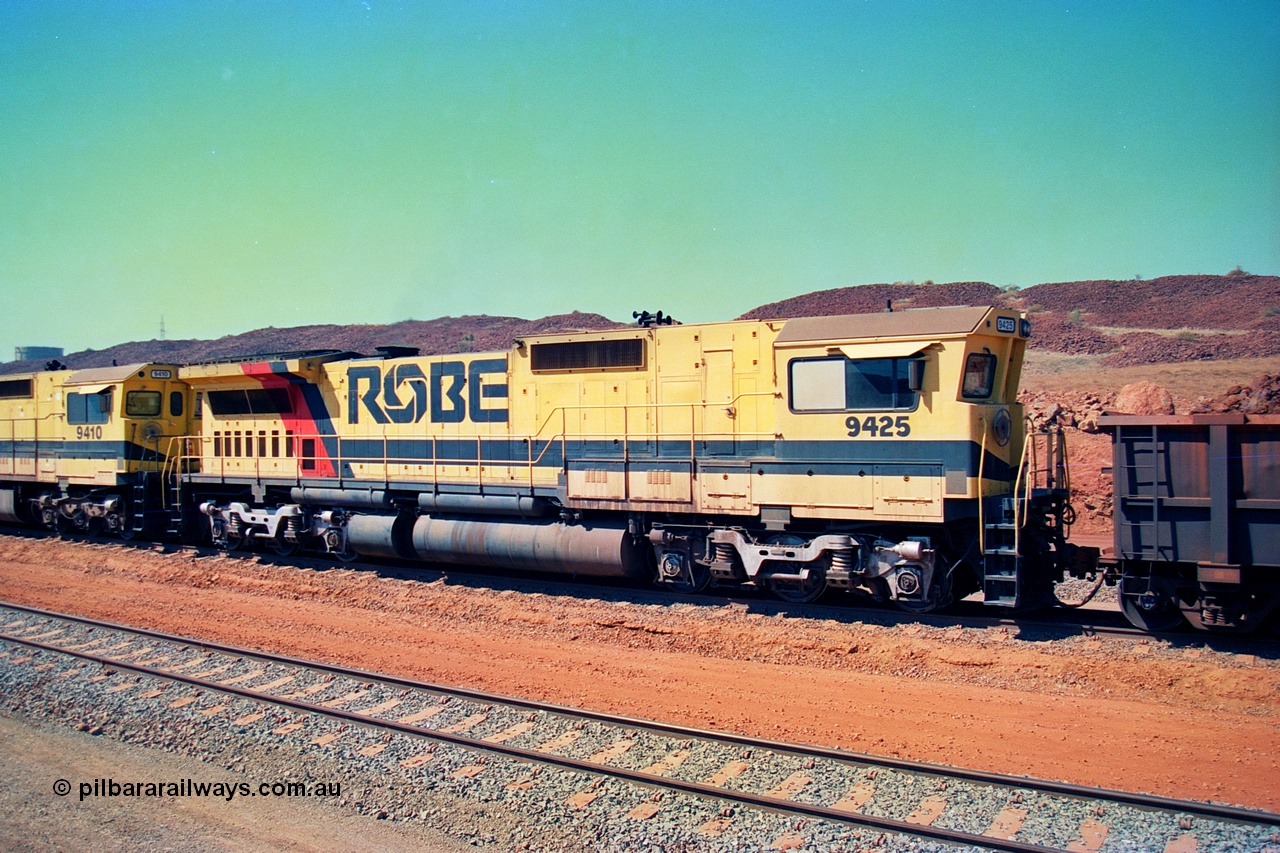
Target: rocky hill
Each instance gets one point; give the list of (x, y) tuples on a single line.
[(868, 298), (1234, 301), (443, 335), (1170, 319)]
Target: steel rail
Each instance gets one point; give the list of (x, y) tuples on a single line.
[(651, 780), (1147, 801)]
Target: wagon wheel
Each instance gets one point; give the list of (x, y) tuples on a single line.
[(1162, 614)]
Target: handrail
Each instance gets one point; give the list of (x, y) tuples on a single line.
[(696, 432), (693, 435), (982, 464), (1019, 503), (43, 417), (1064, 466), (171, 467), (35, 435), (176, 462)]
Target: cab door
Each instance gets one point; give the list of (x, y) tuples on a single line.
[(719, 424)]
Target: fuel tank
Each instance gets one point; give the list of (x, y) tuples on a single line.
[(596, 550), (8, 506)]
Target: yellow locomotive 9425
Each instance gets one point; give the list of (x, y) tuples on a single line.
[(879, 452)]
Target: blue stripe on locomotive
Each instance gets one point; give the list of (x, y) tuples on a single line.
[(773, 457), (62, 449)]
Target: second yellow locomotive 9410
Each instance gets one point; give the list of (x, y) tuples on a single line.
[(882, 452)]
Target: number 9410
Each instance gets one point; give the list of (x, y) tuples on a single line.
[(883, 426)]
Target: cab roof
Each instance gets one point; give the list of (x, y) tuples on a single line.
[(100, 375), (912, 322)]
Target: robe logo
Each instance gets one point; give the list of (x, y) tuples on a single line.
[(454, 392)]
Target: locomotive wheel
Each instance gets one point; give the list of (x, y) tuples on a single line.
[(676, 571), (285, 547), (797, 592), (939, 597), (1163, 616), (112, 523), (801, 592), (192, 532), (695, 578)]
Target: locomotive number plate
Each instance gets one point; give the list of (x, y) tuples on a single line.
[(883, 426), (1006, 324), (161, 374)]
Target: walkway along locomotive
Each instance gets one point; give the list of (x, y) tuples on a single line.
[(880, 452)]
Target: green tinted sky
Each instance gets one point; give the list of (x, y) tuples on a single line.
[(234, 165)]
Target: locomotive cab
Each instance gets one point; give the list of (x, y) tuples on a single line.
[(904, 428), (89, 445)]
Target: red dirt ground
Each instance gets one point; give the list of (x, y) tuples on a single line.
[(1140, 716)]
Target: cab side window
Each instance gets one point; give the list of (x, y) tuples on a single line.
[(88, 408), (842, 384)]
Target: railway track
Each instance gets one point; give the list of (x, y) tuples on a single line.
[(652, 767), (1045, 624)]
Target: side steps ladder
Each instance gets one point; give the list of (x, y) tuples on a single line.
[(137, 522), (1001, 562), (145, 496), (1005, 521)]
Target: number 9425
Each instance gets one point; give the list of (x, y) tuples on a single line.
[(883, 426)]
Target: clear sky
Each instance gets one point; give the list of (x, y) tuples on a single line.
[(233, 165)]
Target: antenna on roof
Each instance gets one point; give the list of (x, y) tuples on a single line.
[(645, 319), (888, 306)]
